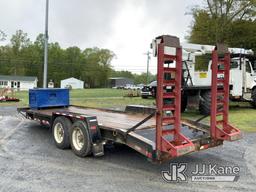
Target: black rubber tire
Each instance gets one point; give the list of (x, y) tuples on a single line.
[(66, 125), (184, 102), (254, 98), (153, 91), (87, 147), (205, 103)]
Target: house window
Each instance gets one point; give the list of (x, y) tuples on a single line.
[(3, 83)]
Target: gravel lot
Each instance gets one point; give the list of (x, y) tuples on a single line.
[(29, 161)]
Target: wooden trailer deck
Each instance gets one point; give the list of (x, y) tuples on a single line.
[(118, 120), (106, 118)]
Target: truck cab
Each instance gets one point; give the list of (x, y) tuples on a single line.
[(242, 78)]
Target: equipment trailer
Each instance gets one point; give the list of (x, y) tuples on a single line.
[(160, 135)]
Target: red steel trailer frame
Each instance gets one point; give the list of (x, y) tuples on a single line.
[(162, 134)]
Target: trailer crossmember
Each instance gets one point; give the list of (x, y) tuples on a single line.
[(140, 123)]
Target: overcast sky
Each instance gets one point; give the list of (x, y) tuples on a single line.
[(123, 26)]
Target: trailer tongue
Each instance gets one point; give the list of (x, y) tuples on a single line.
[(159, 135)]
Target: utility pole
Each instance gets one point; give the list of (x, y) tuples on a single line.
[(46, 45), (148, 59)]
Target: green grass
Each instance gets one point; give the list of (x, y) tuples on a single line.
[(106, 98), (22, 95), (242, 117), (241, 114)]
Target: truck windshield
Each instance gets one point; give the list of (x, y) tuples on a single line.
[(234, 64)]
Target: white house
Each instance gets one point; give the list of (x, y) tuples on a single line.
[(72, 83), (18, 82)]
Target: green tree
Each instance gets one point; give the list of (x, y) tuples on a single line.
[(142, 78), (39, 42), (214, 22), (19, 40), (2, 35), (242, 34), (97, 68), (23, 57), (126, 74), (73, 57)]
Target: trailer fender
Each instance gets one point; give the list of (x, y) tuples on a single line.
[(94, 129)]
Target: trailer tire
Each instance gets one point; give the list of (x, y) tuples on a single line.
[(80, 139), (254, 98), (205, 103), (60, 131)]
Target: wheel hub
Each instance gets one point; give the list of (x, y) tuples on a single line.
[(58, 133), (78, 139)]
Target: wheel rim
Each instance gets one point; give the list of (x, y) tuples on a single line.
[(58, 133), (78, 138)]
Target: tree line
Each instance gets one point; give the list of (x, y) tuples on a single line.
[(92, 65), (232, 22)]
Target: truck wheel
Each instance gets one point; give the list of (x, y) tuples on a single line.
[(184, 102), (154, 92), (254, 98), (205, 103), (60, 131), (80, 139)]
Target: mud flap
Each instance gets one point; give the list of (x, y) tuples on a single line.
[(98, 149)]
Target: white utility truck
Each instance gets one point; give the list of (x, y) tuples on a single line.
[(197, 74), (196, 89)]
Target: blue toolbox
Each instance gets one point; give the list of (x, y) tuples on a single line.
[(43, 98)]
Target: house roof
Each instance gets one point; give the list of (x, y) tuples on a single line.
[(71, 79), (119, 78), (17, 78)]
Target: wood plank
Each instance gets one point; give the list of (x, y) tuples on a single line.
[(106, 118)]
